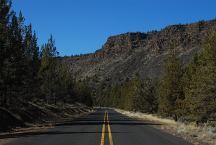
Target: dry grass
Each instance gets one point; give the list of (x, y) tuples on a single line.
[(198, 135)]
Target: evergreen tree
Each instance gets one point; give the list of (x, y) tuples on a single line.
[(35, 55), (146, 100), (47, 71), (23, 69), (170, 88), (5, 13), (14, 63), (182, 106), (65, 86), (32, 61), (83, 93), (201, 94), (5, 17)]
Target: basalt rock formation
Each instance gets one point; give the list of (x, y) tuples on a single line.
[(126, 55)]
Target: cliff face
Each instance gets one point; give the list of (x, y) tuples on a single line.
[(125, 55)]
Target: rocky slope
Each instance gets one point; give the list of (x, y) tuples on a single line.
[(125, 55)]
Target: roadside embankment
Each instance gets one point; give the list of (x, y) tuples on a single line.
[(31, 115)]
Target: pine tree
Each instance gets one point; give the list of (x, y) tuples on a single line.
[(35, 55), (14, 63), (47, 71), (146, 101), (65, 86), (83, 93), (201, 94), (4, 21), (182, 105), (32, 62), (170, 89), (13, 69), (5, 16), (23, 69)]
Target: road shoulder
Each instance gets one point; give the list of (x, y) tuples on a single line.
[(190, 132)]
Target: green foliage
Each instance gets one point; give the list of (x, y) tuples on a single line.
[(57, 83), (170, 87), (201, 94), (135, 94), (48, 73), (190, 94), (25, 73), (145, 100), (184, 93), (83, 92), (4, 48)]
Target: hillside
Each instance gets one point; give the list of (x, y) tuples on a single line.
[(125, 55)]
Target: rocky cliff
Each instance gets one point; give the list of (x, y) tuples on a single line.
[(125, 55)]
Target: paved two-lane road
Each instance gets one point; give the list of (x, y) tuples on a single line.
[(99, 128)]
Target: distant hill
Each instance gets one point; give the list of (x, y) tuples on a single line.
[(126, 55)]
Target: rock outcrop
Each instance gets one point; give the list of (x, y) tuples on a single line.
[(125, 55)]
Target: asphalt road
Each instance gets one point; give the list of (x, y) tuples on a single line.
[(99, 128)]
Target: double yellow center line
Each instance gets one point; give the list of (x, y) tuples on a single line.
[(106, 121)]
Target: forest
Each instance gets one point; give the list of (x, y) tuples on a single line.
[(185, 93), (29, 73)]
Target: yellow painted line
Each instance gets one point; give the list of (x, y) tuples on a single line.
[(109, 131), (103, 130), (106, 119), (103, 135)]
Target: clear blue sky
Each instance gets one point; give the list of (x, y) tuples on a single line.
[(82, 26)]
